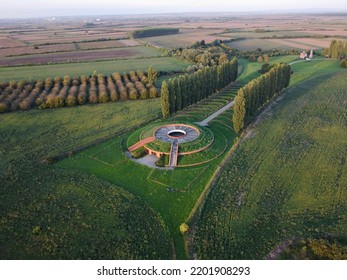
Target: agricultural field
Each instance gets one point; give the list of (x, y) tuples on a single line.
[(80, 56), (186, 37), (165, 64), (287, 179)]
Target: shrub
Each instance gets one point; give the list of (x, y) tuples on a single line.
[(184, 228), (3, 107), (144, 94), (153, 93), (71, 101), (139, 153), (133, 94), (103, 97), (161, 162), (343, 63)]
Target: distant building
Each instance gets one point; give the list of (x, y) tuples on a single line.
[(303, 55), (311, 54)]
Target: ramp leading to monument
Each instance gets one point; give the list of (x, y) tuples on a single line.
[(173, 154), (141, 143)]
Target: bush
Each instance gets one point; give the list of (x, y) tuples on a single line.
[(71, 101), (161, 161), (139, 153), (184, 228), (153, 93), (133, 94), (343, 63), (3, 107)]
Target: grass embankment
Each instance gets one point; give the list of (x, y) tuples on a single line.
[(52, 213), (289, 179)]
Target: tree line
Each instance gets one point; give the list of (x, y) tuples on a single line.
[(337, 49), (185, 90), (68, 92), (256, 93), (149, 32)]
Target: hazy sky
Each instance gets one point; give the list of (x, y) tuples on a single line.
[(42, 8)]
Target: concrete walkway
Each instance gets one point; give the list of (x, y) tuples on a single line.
[(216, 114)]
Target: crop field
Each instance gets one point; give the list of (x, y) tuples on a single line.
[(6, 42), (253, 44), (42, 39), (107, 44), (184, 38), (80, 56), (67, 47), (87, 68), (287, 179)]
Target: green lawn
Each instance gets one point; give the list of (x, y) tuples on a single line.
[(87, 68), (287, 180), (51, 213)]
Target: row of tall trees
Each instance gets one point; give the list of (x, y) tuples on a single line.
[(149, 32), (188, 89), (256, 93), (337, 49), (60, 92)]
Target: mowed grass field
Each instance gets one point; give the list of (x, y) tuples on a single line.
[(87, 68), (288, 179), (52, 213)]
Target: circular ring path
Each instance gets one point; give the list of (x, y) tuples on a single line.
[(180, 132)]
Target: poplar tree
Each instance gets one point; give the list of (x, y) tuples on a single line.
[(165, 104), (152, 75), (172, 96), (178, 95), (239, 111)]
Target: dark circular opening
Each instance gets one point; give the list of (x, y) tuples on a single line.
[(176, 133)]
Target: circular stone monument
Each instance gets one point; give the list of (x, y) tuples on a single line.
[(181, 132)]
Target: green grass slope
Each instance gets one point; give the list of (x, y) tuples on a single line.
[(50, 213), (287, 180)]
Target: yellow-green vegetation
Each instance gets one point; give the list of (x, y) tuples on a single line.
[(287, 179)]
